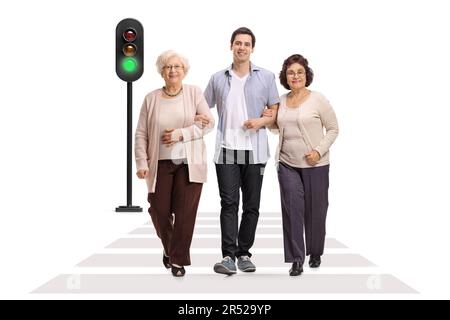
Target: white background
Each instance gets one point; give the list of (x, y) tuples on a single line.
[(382, 64)]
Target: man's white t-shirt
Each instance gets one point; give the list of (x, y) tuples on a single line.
[(236, 136)]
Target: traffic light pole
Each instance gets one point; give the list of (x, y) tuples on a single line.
[(129, 207)]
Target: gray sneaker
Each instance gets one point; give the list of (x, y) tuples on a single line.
[(245, 264), (226, 266)]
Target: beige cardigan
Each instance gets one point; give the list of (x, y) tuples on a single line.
[(315, 114), (147, 137)]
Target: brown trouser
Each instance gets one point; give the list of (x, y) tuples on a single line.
[(174, 194)]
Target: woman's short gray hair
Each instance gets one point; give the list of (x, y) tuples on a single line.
[(166, 55)]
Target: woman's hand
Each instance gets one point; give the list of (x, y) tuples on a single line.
[(170, 137), (142, 174), (201, 121), (312, 157), (268, 113)]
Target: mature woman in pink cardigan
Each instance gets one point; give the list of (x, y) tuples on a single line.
[(171, 157)]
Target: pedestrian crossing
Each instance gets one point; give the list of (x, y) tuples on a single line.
[(132, 264)]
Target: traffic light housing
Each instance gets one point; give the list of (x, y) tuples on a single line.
[(129, 50)]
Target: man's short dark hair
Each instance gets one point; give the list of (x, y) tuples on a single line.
[(243, 30)]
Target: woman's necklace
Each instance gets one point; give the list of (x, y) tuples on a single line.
[(172, 94)]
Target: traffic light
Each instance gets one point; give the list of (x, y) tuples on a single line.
[(129, 50), (129, 68)]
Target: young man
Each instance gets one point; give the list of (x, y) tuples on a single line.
[(241, 93)]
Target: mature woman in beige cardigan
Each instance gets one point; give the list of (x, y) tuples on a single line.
[(171, 157), (303, 163)]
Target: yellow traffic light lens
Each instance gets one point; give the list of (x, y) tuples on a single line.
[(129, 64), (129, 49)]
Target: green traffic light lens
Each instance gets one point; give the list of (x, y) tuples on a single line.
[(129, 64)]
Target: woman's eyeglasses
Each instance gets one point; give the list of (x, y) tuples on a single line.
[(175, 67), (293, 74)]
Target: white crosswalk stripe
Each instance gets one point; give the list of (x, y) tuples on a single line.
[(133, 264)]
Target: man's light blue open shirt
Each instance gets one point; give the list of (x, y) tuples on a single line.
[(260, 90)]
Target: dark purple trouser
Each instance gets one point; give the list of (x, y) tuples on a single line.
[(304, 204)]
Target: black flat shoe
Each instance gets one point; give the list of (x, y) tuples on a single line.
[(166, 262), (178, 272), (296, 269), (314, 262)]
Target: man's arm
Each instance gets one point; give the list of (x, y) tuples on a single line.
[(263, 121), (209, 93)]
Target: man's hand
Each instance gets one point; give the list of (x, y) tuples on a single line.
[(254, 124), (201, 121)]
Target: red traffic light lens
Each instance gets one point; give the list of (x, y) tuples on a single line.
[(129, 49), (129, 35)]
